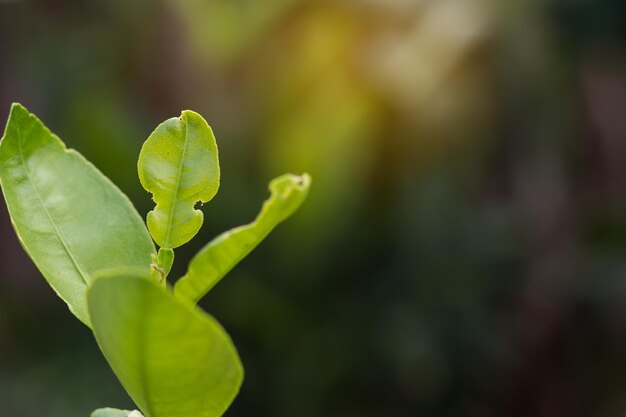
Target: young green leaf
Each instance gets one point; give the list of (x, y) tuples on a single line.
[(173, 359), (220, 255), (165, 260), (179, 165), (72, 221), (114, 412)]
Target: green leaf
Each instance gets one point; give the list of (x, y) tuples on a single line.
[(179, 165), (165, 260), (71, 220), (218, 257), (114, 412), (173, 359)]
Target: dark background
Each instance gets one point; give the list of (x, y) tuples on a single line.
[(463, 249)]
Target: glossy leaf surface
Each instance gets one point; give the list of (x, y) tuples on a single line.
[(220, 255), (172, 358), (179, 165), (73, 222), (114, 412)]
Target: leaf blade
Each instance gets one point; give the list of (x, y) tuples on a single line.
[(219, 256), (114, 412), (173, 359), (179, 165), (71, 220)]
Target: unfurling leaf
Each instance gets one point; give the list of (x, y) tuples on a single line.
[(72, 221), (220, 255), (179, 165), (86, 238)]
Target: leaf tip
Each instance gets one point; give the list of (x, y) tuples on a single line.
[(302, 181), (15, 106), (187, 113), (17, 110), (289, 183)]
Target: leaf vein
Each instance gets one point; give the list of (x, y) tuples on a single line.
[(45, 209), (177, 190)]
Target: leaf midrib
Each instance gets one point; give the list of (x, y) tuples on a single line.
[(178, 177), (45, 209)]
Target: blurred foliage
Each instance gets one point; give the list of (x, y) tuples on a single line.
[(462, 250)]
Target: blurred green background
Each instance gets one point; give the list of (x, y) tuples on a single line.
[(463, 249)]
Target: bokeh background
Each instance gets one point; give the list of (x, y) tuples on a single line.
[(463, 249)]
